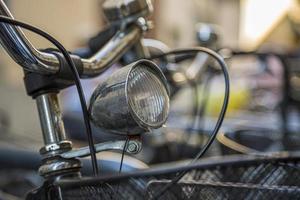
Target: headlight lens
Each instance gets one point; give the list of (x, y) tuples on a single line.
[(147, 96), (133, 100)]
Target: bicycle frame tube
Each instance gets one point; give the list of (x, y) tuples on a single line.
[(51, 119), (55, 140)]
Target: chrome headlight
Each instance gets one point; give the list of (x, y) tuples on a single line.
[(132, 100)]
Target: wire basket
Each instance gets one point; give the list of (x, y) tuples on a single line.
[(233, 177)]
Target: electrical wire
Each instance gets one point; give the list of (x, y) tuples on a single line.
[(76, 80), (221, 117), (123, 154), (122, 159)]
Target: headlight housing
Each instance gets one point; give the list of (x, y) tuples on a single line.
[(132, 100)]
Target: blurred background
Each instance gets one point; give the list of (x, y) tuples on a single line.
[(241, 25)]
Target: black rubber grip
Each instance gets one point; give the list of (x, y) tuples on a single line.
[(65, 71)]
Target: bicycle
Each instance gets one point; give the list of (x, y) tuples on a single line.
[(49, 71)]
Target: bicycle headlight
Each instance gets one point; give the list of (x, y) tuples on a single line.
[(133, 100)]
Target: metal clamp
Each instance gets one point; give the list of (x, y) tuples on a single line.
[(132, 147)]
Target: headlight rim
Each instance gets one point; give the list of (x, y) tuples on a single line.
[(162, 78)]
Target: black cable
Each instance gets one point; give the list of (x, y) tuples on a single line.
[(76, 80), (123, 154), (121, 162), (223, 65)]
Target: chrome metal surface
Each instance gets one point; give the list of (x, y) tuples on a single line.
[(54, 138), (112, 51), (197, 69), (157, 46), (54, 167), (133, 147), (22, 51), (110, 162), (51, 150), (126, 10), (140, 50), (50, 119), (110, 106)]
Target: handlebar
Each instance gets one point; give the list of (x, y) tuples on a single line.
[(23, 52), (111, 51)]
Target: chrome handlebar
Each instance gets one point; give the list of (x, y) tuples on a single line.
[(111, 51), (22, 51)]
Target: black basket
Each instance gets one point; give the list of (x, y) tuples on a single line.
[(234, 177)]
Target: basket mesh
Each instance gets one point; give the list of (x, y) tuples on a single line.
[(242, 178)]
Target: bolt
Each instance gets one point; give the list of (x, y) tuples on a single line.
[(132, 147)]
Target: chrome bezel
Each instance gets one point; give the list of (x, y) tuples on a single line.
[(162, 78)]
